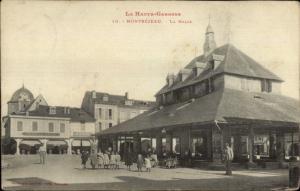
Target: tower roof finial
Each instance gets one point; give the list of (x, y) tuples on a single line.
[(209, 28)]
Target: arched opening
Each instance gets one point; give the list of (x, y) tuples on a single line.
[(57, 147), (29, 146), (80, 145)]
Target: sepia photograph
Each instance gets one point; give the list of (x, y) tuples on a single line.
[(151, 95)]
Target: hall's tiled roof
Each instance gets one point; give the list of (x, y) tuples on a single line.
[(235, 62), (220, 105)]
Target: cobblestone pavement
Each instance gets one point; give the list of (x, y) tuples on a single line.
[(62, 172)]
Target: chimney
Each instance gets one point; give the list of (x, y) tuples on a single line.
[(198, 68), (184, 73), (94, 94), (126, 95), (170, 79)]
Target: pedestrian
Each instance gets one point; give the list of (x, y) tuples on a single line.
[(228, 159), (128, 160), (112, 161), (106, 160), (84, 158), (139, 163), (93, 158), (100, 158), (118, 160), (42, 152), (148, 163)]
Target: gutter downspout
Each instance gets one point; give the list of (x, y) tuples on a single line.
[(220, 130)]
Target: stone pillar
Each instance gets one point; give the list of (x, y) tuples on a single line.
[(69, 142), (115, 143), (217, 145), (158, 145), (168, 143), (251, 164), (209, 144), (18, 146), (185, 141), (136, 144), (96, 144), (93, 145), (272, 145), (226, 134), (237, 147), (280, 146)]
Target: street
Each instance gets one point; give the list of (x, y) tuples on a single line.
[(63, 172)]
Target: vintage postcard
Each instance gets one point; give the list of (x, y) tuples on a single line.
[(152, 95)]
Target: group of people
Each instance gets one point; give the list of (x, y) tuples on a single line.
[(144, 162), (112, 160), (149, 161), (109, 160)]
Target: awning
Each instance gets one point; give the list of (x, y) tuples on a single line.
[(30, 142), (77, 143), (56, 143)]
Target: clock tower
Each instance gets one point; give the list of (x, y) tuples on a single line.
[(20, 100)]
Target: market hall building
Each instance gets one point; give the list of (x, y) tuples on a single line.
[(222, 96)]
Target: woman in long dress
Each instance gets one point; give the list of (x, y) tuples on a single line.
[(140, 162), (112, 161), (106, 160), (118, 160), (100, 158), (148, 163), (128, 160)]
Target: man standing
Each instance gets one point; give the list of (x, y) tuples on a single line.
[(42, 151), (228, 159)]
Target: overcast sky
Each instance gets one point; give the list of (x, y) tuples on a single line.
[(62, 49)]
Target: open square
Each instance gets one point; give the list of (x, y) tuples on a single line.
[(65, 173)]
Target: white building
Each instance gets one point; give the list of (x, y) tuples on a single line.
[(31, 122), (109, 110)]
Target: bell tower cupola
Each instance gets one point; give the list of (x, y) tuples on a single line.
[(210, 43)]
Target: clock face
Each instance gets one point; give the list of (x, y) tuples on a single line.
[(24, 96)]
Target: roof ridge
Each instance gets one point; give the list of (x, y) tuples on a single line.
[(226, 56)]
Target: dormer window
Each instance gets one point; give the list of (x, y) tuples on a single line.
[(217, 59), (198, 68), (170, 79), (183, 74), (128, 102), (52, 110), (266, 85), (105, 98)]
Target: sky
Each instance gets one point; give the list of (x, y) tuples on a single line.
[(61, 49)]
